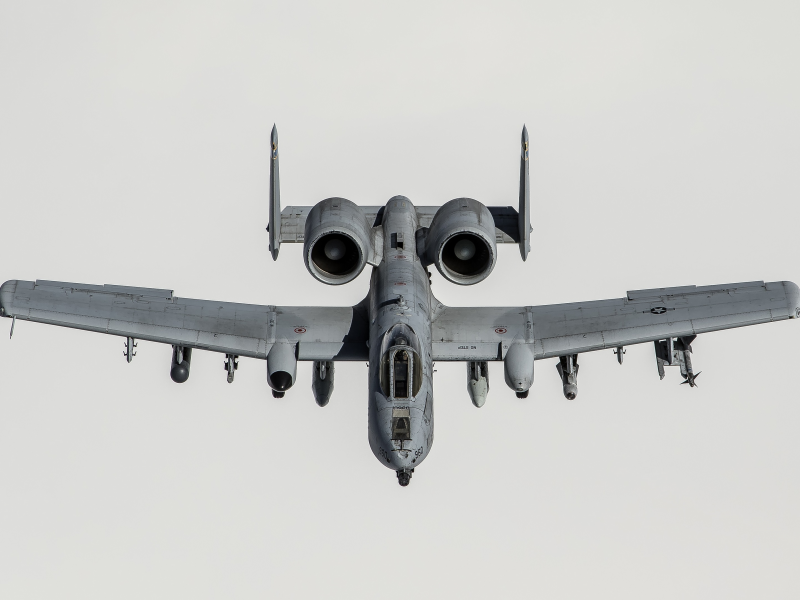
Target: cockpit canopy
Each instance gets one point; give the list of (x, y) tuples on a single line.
[(401, 366)]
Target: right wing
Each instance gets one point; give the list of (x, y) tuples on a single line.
[(321, 333), (471, 334)]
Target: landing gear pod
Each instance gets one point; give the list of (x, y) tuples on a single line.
[(518, 367), (281, 368), (322, 381), (478, 382), (568, 371), (181, 361)]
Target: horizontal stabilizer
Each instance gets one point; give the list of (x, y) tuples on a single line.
[(293, 221)]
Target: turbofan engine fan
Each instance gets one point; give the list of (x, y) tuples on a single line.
[(338, 241), (461, 241)]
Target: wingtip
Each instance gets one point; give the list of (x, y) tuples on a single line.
[(792, 299)]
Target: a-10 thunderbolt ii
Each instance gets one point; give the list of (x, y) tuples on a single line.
[(400, 327)]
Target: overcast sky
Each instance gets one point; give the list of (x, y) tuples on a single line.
[(665, 143)]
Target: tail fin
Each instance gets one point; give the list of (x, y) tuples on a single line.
[(524, 219), (274, 198)]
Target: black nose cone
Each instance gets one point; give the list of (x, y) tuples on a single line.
[(180, 373), (281, 381)]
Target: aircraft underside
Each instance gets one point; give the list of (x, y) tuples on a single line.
[(401, 328)]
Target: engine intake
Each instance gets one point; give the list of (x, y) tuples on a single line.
[(461, 241), (338, 241)]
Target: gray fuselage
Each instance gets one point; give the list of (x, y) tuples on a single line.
[(400, 364)]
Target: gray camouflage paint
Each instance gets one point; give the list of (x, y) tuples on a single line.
[(400, 293), (281, 335)]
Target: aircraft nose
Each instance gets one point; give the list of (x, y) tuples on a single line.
[(6, 296), (403, 460)]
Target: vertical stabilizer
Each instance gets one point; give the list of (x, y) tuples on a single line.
[(274, 197), (524, 222)]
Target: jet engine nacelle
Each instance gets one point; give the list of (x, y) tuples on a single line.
[(461, 241), (338, 241), (281, 368)]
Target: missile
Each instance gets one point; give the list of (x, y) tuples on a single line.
[(620, 351)]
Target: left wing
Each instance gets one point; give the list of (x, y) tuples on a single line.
[(479, 334), (321, 333)]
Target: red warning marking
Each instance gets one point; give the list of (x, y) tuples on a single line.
[(501, 330), (299, 329), (400, 283)]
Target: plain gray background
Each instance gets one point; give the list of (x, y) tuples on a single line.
[(134, 142)]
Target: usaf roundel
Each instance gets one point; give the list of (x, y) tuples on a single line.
[(658, 310)]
